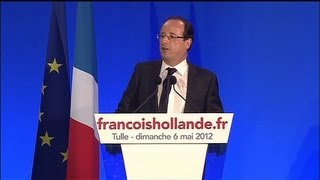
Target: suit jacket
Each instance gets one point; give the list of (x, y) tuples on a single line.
[(202, 90)]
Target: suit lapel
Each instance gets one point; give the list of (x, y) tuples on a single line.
[(154, 73), (191, 90)]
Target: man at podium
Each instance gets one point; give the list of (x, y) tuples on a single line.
[(172, 84), (198, 86)]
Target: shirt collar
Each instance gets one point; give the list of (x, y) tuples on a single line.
[(181, 67)]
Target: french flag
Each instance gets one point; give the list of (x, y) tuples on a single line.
[(83, 149)]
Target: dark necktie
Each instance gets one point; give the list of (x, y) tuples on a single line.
[(166, 88)]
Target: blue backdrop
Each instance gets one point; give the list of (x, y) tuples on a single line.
[(266, 56)]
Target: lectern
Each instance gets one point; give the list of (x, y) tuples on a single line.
[(164, 146)]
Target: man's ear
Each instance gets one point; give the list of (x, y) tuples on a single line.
[(188, 43)]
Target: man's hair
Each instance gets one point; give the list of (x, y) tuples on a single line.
[(188, 27)]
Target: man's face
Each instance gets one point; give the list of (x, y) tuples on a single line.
[(173, 50)]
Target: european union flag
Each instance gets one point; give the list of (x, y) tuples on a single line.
[(51, 151)]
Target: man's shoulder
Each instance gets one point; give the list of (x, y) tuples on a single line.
[(149, 63), (200, 70), (154, 64)]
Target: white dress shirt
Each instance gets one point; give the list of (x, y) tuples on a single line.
[(175, 103)]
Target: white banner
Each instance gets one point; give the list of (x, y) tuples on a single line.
[(144, 128)]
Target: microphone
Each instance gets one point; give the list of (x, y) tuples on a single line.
[(158, 82), (173, 81)]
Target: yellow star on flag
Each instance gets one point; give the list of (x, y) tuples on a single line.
[(65, 156), (40, 114), (43, 87), (46, 139), (54, 66)]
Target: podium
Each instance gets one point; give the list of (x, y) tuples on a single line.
[(164, 146)]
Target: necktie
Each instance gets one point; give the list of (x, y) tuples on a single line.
[(166, 88)]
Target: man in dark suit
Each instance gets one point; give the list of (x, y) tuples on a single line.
[(197, 85), (145, 93)]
